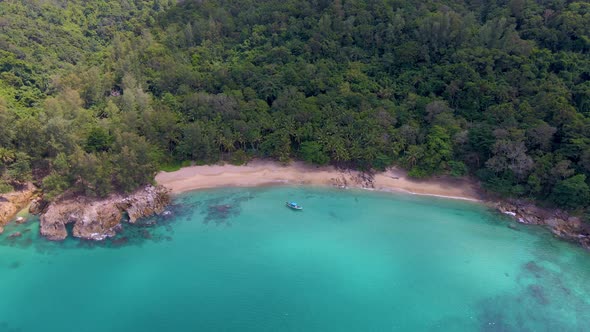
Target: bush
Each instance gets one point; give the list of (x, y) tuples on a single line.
[(381, 162), (458, 168), (239, 158), (571, 193), (53, 185), (313, 153), (5, 187), (417, 172)]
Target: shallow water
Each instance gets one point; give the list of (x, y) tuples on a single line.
[(239, 260)]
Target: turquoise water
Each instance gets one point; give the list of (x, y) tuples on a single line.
[(239, 260)]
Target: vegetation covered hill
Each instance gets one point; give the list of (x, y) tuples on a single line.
[(97, 95)]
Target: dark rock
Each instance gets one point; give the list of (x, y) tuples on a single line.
[(38, 206), (15, 235), (119, 242), (146, 234), (538, 293)]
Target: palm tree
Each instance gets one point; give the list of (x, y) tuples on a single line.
[(413, 155)]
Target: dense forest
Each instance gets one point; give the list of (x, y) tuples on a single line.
[(98, 95)]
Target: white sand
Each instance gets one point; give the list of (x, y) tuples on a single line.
[(260, 173)]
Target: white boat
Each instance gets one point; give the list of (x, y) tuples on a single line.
[(294, 206)]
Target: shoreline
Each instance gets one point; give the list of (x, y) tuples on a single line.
[(394, 180), (259, 173)]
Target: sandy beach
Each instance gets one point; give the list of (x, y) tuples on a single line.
[(261, 173)]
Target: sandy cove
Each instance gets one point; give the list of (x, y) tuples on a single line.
[(261, 173)]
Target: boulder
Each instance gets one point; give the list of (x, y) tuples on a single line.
[(148, 202), (15, 201), (98, 221), (53, 222), (38, 206)]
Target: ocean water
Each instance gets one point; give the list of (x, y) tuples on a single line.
[(239, 260)]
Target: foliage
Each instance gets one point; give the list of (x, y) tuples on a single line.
[(173, 166), (312, 153), (5, 187), (95, 94), (572, 192)]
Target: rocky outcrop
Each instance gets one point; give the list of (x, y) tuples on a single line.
[(559, 222), (97, 219), (92, 219), (15, 201), (38, 206), (150, 201)]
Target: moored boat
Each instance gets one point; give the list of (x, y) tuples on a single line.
[(294, 206)]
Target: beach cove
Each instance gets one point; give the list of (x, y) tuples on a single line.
[(266, 173)]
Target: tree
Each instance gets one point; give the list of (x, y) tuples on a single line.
[(91, 174), (53, 185), (6, 125), (197, 143), (277, 145), (20, 170), (413, 155), (510, 156), (98, 140), (312, 152), (572, 193), (541, 136), (439, 150)]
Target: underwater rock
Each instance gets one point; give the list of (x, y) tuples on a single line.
[(512, 226), (15, 235), (15, 201), (119, 242), (538, 294), (98, 219), (146, 234), (21, 220)]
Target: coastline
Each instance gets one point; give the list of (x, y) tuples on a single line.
[(261, 173), (13, 202)]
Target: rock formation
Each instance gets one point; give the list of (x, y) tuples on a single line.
[(559, 222), (13, 202), (97, 219), (38, 206), (152, 200)]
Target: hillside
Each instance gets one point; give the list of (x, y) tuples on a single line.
[(97, 95)]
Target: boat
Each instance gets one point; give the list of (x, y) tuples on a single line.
[(294, 206)]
